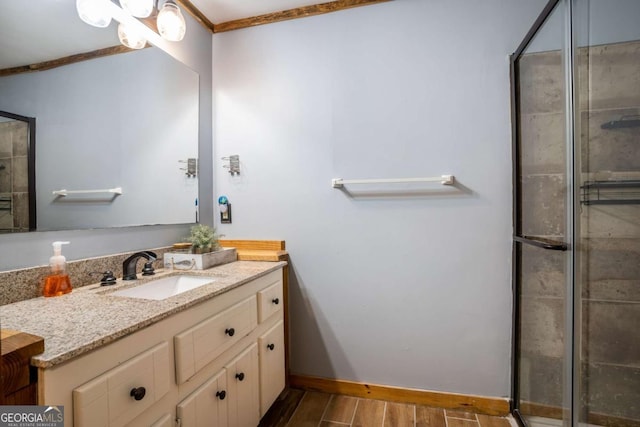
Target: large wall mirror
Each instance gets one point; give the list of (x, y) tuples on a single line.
[(127, 121)]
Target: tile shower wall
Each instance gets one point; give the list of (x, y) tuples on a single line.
[(609, 87), (14, 186)]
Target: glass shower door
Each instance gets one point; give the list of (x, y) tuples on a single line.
[(607, 62), (576, 98), (542, 224)]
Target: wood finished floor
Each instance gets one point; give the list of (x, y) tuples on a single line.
[(297, 408)]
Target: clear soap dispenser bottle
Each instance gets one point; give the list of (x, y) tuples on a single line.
[(57, 282)]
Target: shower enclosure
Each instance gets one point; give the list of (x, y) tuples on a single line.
[(576, 154)]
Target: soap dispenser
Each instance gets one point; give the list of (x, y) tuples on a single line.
[(57, 282)]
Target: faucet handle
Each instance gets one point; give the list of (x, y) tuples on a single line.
[(107, 278), (148, 269)]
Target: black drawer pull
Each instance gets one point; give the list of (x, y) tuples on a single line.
[(240, 376), (138, 393), (230, 331), (221, 394), (271, 346), (276, 301)]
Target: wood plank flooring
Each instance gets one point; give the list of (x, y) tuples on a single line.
[(297, 408)]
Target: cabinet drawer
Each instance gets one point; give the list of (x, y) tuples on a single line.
[(207, 406), (201, 344), (270, 301), (272, 375), (109, 400)]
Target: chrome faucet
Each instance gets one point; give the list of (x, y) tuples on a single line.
[(129, 265)]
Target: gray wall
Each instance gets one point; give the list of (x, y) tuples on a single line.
[(399, 288), (30, 249)]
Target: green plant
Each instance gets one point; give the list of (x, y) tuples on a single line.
[(203, 237)]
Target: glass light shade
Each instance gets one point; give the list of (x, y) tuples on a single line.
[(130, 38), (171, 23), (93, 13), (138, 8)]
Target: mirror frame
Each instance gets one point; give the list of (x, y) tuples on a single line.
[(31, 163)]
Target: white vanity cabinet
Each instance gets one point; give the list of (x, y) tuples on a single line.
[(217, 363)]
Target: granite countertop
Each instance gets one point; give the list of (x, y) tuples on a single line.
[(89, 317)]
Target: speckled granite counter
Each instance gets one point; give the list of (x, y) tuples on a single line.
[(90, 317)]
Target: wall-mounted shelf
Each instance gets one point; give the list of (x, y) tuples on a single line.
[(611, 192)]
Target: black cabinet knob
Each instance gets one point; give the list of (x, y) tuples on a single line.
[(221, 394), (230, 331), (138, 393), (276, 301), (271, 346), (240, 376)]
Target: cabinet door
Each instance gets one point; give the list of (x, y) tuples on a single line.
[(243, 384), (271, 352), (207, 405)]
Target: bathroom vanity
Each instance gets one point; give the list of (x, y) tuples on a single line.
[(213, 356)]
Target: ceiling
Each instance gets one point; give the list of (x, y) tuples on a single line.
[(34, 31), (40, 30), (218, 11)]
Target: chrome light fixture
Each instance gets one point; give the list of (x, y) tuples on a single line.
[(138, 8), (130, 37), (93, 13), (171, 24)]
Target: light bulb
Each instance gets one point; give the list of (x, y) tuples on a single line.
[(138, 8), (171, 23), (93, 13), (130, 38)]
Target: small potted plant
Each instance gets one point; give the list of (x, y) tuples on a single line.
[(206, 251), (203, 238)]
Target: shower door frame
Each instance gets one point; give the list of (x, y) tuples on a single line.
[(572, 337), (31, 163)]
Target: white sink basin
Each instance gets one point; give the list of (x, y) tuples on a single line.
[(164, 288)]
